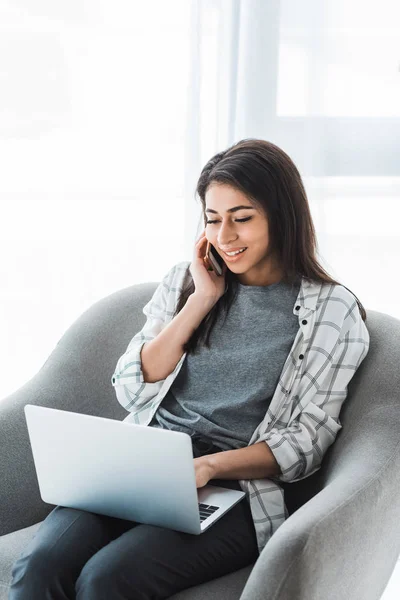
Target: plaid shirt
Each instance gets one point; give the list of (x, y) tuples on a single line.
[(302, 420)]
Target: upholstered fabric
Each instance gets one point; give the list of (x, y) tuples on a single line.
[(343, 533)]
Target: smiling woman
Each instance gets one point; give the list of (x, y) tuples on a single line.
[(267, 391), (249, 235), (257, 200)]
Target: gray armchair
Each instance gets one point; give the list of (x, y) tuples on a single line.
[(342, 537)]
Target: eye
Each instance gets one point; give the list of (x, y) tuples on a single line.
[(237, 220)]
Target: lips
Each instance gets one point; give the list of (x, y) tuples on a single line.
[(235, 258), (234, 249), (238, 253)]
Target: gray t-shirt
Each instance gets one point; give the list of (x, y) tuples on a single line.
[(223, 393)]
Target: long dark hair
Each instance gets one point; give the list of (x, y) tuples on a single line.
[(270, 179)]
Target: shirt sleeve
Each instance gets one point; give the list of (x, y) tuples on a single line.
[(128, 381), (300, 447)]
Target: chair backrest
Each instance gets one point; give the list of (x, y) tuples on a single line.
[(77, 377), (370, 415)]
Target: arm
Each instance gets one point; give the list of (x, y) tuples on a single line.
[(160, 356), (253, 462), (295, 452), (300, 447), (137, 384)]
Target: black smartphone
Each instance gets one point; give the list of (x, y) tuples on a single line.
[(215, 262)]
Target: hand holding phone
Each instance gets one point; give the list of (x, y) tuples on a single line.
[(213, 260), (209, 284)]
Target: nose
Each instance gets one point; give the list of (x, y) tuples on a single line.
[(230, 238), (226, 242)]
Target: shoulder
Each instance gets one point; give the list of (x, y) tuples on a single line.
[(339, 305), (174, 279), (336, 294)]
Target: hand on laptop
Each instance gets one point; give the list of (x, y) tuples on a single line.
[(203, 470)]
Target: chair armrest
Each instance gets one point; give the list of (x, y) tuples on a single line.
[(345, 541)]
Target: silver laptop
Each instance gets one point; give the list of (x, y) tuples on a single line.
[(123, 470)]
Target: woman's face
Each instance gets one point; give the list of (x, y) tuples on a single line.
[(242, 227)]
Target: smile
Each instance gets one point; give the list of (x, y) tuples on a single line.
[(235, 257)]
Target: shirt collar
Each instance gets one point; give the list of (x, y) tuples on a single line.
[(308, 295)]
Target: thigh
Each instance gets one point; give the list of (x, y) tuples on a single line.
[(154, 562), (64, 542), (75, 533)]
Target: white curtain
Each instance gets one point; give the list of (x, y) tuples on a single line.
[(321, 80), (92, 121), (109, 110)]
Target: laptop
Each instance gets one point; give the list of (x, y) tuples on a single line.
[(123, 470)]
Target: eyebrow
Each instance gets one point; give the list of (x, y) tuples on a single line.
[(230, 210)]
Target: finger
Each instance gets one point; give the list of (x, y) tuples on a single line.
[(201, 242), (203, 233)]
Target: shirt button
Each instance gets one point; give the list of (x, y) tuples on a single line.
[(297, 308), (301, 356), (304, 322)]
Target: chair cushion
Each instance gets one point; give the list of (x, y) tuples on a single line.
[(11, 547)]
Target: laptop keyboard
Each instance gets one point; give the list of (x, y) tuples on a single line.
[(206, 510)]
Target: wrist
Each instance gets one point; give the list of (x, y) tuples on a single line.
[(212, 465), (203, 303)]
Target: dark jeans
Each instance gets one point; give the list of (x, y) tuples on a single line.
[(76, 554)]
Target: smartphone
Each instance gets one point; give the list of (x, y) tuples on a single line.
[(212, 260)]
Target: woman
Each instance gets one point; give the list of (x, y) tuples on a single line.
[(253, 364)]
